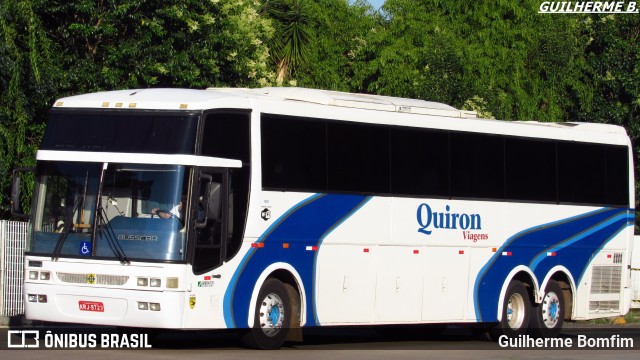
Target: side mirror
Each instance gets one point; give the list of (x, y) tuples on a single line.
[(213, 200), (209, 205), (16, 187)]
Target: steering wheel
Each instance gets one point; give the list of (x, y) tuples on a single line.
[(171, 215)]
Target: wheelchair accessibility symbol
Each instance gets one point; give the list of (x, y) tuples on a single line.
[(85, 248)]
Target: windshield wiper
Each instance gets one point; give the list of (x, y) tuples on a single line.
[(68, 223), (101, 226), (106, 229)]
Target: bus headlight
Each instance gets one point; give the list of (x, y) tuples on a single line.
[(33, 275), (45, 275), (37, 298), (155, 283), (143, 281)]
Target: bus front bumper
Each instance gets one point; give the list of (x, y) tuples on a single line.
[(105, 306)]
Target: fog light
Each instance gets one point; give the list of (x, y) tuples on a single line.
[(143, 306), (155, 283), (33, 275), (143, 281), (32, 298), (45, 275), (42, 298), (172, 283), (154, 306)]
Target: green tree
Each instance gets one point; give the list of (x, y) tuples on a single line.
[(520, 63), (341, 45), (613, 55), (174, 43), (293, 35), (28, 81)]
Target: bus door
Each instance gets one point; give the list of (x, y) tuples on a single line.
[(210, 234), (210, 218)]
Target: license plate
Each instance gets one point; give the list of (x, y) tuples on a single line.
[(91, 306)]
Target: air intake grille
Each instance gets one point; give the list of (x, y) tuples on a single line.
[(608, 305), (100, 279), (617, 258), (606, 280)]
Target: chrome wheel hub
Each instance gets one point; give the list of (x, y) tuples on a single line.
[(271, 314)]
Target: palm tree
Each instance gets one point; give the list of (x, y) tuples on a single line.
[(293, 35)]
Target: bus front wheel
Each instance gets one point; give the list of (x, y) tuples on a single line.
[(271, 318), (516, 311)]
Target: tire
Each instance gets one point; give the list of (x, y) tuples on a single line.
[(516, 311), (271, 318), (547, 317)]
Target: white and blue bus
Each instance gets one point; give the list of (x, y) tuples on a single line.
[(274, 209)]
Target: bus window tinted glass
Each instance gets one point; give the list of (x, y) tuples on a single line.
[(617, 175), (293, 153), (582, 175), (531, 170), (477, 166), (139, 131), (358, 157), (226, 135), (419, 162)]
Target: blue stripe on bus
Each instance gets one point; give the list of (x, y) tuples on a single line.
[(587, 234), (304, 225), (228, 310), (621, 229), (583, 236)]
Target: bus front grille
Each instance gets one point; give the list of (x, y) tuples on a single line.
[(100, 279)]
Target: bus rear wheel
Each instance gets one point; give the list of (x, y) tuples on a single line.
[(547, 317), (271, 318)]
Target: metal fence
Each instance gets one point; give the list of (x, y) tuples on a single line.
[(13, 239)]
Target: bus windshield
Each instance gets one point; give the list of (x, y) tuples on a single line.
[(127, 212)]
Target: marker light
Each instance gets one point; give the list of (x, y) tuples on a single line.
[(172, 283)]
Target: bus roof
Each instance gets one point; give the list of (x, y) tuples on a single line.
[(212, 98)]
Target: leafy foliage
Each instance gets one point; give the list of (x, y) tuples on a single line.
[(174, 43), (522, 64), (290, 45), (613, 55), (28, 78)]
